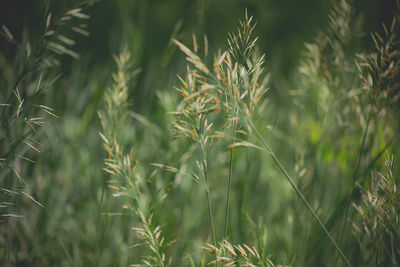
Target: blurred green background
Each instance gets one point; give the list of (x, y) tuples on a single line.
[(68, 178)]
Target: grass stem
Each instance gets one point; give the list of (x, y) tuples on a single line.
[(355, 174), (298, 192), (204, 163), (229, 180)]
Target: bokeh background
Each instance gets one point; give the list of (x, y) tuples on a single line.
[(74, 229)]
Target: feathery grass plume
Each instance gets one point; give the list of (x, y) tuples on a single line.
[(369, 86), (23, 113), (212, 99), (327, 70), (198, 114), (378, 224), (125, 181), (238, 89), (380, 84), (379, 70), (241, 44), (22, 110), (335, 86), (329, 82), (237, 255), (249, 121), (244, 76), (234, 84), (335, 44)]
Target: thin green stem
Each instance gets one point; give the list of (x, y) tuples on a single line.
[(379, 155), (298, 192), (346, 211), (229, 180), (97, 241), (204, 163), (362, 148)]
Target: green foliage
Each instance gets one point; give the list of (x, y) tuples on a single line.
[(377, 227), (23, 112), (126, 182), (227, 161)]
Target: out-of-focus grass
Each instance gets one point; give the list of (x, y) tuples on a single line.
[(316, 128)]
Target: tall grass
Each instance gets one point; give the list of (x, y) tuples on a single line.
[(228, 164), (23, 113), (126, 182), (237, 83)]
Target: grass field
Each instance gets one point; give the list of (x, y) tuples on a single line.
[(203, 133)]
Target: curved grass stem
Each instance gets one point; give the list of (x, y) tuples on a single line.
[(355, 174), (204, 163), (229, 180), (297, 190)]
